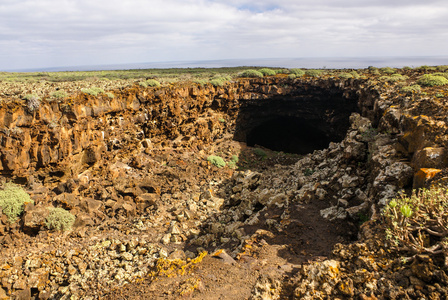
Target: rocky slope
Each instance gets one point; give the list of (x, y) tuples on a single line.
[(133, 169)]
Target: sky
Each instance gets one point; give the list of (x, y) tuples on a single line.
[(55, 33)]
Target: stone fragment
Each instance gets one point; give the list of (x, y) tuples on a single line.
[(430, 157), (333, 213), (34, 217), (222, 254)]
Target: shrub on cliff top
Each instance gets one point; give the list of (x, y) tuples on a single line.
[(251, 73), (32, 102), (94, 91), (411, 89), (431, 80), (12, 200), (59, 219), (418, 224), (388, 70), (313, 73), (59, 94), (219, 80), (297, 72), (267, 72), (152, 82)]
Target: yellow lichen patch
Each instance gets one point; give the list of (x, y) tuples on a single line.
[(189, 286), (175, 267)]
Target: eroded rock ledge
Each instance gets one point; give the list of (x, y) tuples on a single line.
[(133, 170)]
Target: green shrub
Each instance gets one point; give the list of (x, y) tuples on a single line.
[(431, 80), (110, 95), (313, 73), (59, 94), (297, 72), (12, 200), (94, 91), (267, 72), (394, 78), (345, 75), (152, 83), (427, 68), (388, 70), (201, 82), (281, 71), (233, 161), (260, 152), (355, 74), (418, 224), (251, 73), (59, 219), (292, 76), (411, 89), (219, 80), (441, 74), (442, 68), (143, 84), (216, 161)]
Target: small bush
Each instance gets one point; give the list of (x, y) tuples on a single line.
[(292, 76), (152, 83), (411, 89), (216, 161), (418, 224), (442, 68), (110, 95), (388, 70), (219, 80), (345, 75), (282, 71), (313, 73), (441, 74), (59, 219), (431, 80), (12, 200), (355, 74), (233, 161), (394, 78), (297, 72), (251, 73), (59, 94), (260, 152), (94, 91), (32, 102), (267, 72), (427, 68), (201, 82)]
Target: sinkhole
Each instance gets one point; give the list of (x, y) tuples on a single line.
[(307, 120)]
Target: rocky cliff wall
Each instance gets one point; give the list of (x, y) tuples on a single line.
[(62, 135)]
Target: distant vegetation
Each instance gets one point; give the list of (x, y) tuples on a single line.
[(51, 86)]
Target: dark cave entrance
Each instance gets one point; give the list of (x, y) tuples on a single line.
[(308, 119), (288, 134)]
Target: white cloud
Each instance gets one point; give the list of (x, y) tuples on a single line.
[(68, 32)]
